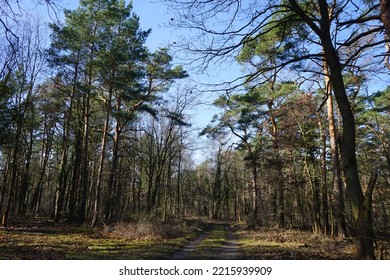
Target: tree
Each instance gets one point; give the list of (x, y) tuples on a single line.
[(334, 150), (90, 47), (241, 120), (19, 88), (323, 21), (251, 119), (384, 13), (110, 78)]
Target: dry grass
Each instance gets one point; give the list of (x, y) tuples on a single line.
[(288, 244), (146, 230), (292, 245), (157, 240), (41, 240)]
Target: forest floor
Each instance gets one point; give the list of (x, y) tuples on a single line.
[(181, 239)]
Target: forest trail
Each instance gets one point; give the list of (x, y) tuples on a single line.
[(217, 242), (231, 249)]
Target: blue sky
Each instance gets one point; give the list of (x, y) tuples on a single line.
[(154, 16)]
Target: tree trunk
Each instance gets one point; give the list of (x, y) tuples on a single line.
[(14, 174), (385, 14), (324, 188), (348, 140), (112, 177), (337, 180), (86, 130), (365, 238), (25, 182), (62, 178), (102, 160), (85, 161), (385, 18), (281, 208), (45, 155), (77, 168), (63, 172), (178, 182), (5, 181), (254, 192)]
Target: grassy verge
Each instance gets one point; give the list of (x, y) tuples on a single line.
[(279, 244), (63, 242)]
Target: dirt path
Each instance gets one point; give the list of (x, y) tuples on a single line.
[(228, 249), (185, 253)]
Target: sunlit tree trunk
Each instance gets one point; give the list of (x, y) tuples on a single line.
[(337, 180), (102, 158), (112, 179), (324, 179), (348, 139)]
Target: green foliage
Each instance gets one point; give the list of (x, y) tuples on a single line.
[(280, 39), (160, 66), (382, 101), (6, 92), (374, 128), (108, 78), (249, 113)]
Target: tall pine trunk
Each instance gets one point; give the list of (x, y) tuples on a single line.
[(347, 143), (101, 160), (337, 180), (348, 140)]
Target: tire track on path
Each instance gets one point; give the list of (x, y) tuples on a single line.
[(229, 249), (185, 253)]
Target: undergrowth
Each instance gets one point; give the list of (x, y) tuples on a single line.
[(147, 230)]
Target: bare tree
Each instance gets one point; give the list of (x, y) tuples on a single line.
[(29, 63)]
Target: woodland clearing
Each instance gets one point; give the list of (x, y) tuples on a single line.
[(179, 239)]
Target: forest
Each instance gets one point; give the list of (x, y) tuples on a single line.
[(96, 137)]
